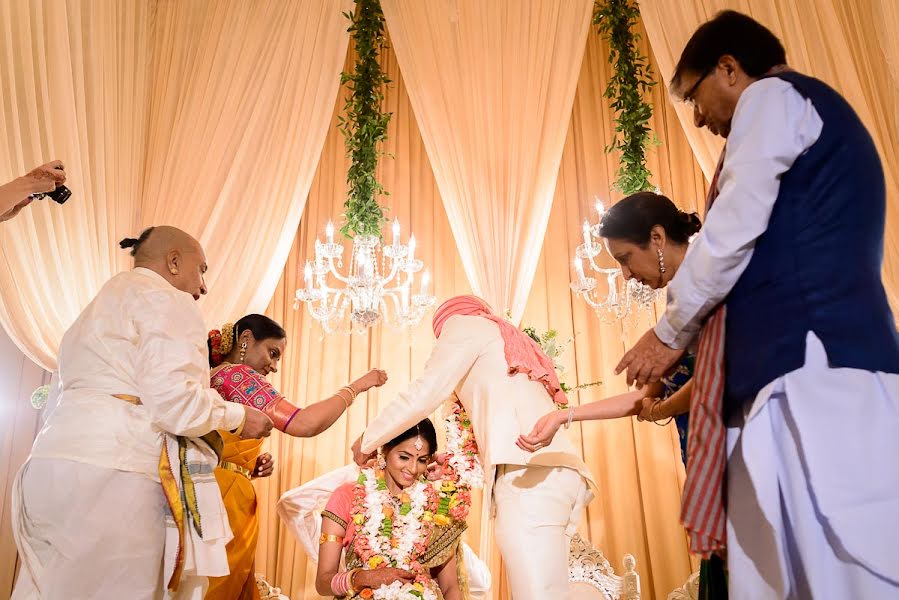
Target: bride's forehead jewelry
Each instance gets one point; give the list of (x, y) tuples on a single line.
[(418, 443)]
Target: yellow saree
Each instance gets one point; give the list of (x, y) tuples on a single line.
[(240, 383), (240, 503)]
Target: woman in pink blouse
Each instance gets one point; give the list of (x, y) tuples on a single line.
[(241, 356)]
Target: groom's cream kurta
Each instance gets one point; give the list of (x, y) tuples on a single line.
[(88, 508), (538, 496)]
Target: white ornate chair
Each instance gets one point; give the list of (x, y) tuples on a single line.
[(688, 591), (266, 591), (591, 577)]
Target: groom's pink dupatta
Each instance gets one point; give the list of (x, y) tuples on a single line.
[(523, 355)]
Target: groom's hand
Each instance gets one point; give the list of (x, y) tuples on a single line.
[(648, 360), (358, 457)]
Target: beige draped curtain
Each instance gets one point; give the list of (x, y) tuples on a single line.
[(205, 115), (492, 85), (849, 44), (74, 87), (241, 95)]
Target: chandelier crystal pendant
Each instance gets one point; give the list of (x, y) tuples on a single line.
[(379, 284), (616, 298)]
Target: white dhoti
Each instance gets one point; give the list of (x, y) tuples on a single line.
[(813, 486), (89, 532), (537, 508)]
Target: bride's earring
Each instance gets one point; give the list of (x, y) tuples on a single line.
[(381, 462), (661, 261), (243, 351)]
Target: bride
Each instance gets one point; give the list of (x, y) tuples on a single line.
[(394, 528)]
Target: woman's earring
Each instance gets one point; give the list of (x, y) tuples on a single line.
[(661, 261), (381, 462), (173, 270), (243, 351)]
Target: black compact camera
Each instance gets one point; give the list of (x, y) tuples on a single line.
[(59, 195)]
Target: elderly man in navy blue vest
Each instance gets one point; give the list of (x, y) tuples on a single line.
[(792, 248)]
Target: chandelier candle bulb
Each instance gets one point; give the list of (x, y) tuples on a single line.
[(329, 232), (587, 243), (411, 247), (396, 232), (404, 297), (579, 267), (425, 282), (307, 274)]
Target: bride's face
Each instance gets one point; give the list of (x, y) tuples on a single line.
[(405, 463)]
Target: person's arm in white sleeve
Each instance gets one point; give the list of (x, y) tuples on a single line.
[(772, 126), (452, 357), (172, 371)]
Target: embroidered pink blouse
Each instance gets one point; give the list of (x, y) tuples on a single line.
[(340, 510), (243, 385)]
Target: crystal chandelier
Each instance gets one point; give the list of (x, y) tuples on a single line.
[(621, 298), (378, 285)]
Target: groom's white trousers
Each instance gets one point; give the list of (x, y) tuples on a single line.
[(536, 508)]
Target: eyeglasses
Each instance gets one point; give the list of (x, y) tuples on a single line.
[(688, 95)]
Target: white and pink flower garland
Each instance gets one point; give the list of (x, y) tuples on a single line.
[(391, 536)]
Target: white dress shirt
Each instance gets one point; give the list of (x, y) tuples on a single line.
[(141, 337), (772, 126)]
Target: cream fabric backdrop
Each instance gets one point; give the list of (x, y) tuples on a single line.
[(850, 44), (492, 85), (638, 465), (74, 87), (194, 114), (241, 97)]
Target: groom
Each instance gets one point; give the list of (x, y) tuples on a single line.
[(792, 248), (506, 383)]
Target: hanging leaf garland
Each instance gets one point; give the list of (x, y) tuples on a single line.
[(631, 79), (364, 123)]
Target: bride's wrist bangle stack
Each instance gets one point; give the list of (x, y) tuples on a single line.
[(570, 417), (342, 584), (351, 584)]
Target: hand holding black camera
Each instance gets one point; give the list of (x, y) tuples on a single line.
[(48, 181), (44, 181)]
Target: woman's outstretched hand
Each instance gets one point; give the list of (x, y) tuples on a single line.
[(543, 432), (374, 378)]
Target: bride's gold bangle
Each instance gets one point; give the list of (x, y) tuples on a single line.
[(351, 585)]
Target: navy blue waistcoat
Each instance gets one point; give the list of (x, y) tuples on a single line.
[(817, 266)]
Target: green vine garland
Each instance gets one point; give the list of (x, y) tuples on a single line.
[(364, 124), (631, 78)]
